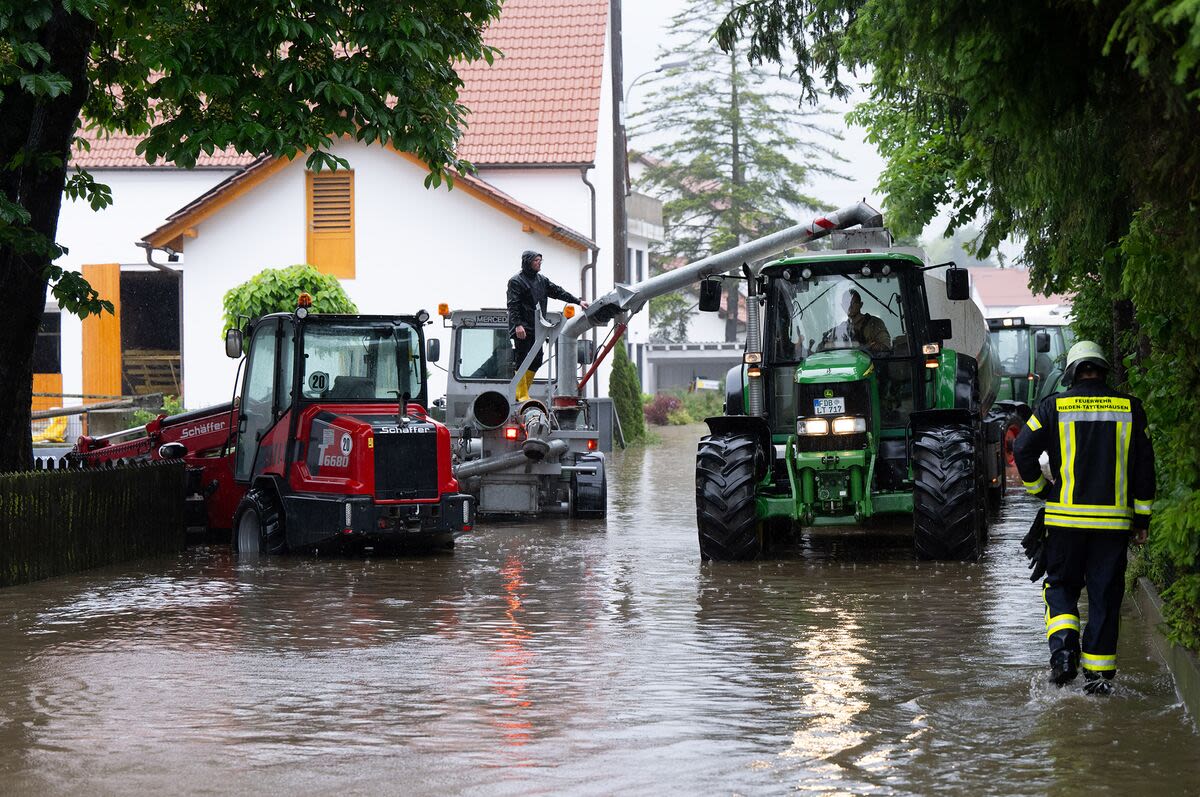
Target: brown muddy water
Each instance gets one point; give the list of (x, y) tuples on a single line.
[(554, 657)]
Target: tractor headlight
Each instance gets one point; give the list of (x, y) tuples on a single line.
[(812, 426), (849, 425)]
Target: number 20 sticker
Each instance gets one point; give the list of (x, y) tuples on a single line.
[(347, 445)]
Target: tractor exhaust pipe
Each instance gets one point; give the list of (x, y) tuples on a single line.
[(752, 361)]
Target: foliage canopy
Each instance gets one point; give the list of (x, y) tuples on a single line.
[(275, 290)]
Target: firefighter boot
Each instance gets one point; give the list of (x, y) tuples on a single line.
[(523, 387), (1064, 666), (1095, 683)]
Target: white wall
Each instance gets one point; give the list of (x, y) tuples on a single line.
[(142, 198), (414, 248)]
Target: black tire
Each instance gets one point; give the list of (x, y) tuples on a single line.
[(258, 524), (947, 507), (727, 468), (590, 490)]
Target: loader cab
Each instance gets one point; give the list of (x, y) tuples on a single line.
[(295, 362)]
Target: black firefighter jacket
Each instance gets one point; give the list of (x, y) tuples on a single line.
[(1100, 456), (527, 290)]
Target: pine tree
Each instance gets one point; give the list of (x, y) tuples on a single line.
[(736, 151), (626, 391)]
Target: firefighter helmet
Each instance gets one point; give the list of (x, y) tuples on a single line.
[(1085, 351)]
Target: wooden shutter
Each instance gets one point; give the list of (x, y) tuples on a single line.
[(330, 201), (102, 334)]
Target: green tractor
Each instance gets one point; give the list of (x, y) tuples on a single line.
[(1031, 353), (863, 396)]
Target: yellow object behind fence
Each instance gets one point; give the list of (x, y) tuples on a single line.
[(55, 431)]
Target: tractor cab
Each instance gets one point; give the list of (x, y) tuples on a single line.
[(1029, 356)]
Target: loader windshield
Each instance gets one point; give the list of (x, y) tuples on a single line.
[(349, 362), (836, 311), (484, 354)]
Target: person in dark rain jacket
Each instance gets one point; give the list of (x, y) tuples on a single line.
[(1099, 499), (526, 290)]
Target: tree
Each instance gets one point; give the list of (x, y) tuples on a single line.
[(1071, 125), (275, 290), (200, 77), (737, 149), (626, 390)]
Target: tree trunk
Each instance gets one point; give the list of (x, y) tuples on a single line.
[(37, 125)]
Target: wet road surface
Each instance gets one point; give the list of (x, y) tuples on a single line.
[(563, 656)]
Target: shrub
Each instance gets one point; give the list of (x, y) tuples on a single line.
[(658, 411), (274, 290), (170, 406), (626, 389)]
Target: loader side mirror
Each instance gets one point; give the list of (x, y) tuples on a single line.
[(710, 296), (958, 284), (433, 350), (940, 329), (586, 352), (1043, 341), (233, 343)]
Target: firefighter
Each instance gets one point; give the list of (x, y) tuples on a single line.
[(526, 290), (1098, 502)]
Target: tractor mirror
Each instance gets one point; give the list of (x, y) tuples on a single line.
[(233, 342), (1043, 341), (940, 329), (710, 296), (172, 451), (433, 350), (958, 284), (586, 352)]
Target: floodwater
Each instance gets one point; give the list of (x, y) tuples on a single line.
[(583, 657)]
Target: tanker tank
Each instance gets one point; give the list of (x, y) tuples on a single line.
[(970, 333)]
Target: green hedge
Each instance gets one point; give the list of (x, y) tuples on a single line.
[(58, 522), (626, 390)]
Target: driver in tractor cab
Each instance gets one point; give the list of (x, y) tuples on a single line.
[(526, 290), (862, 329)]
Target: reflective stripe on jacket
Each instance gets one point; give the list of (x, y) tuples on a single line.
[(1100, 455)]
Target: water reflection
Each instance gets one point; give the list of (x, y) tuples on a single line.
[(512, 659)]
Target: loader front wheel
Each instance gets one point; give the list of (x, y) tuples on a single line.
[(726, 472), (946, 501), (258, 524)]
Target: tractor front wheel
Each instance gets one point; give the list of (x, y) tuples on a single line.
[(946, 501), (726, 472), (258, 524)]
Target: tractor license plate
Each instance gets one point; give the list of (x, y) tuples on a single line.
[(829, 406)]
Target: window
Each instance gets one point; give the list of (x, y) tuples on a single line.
[(47, 354), (640, 272), (330, 202), (484, 353), (374, 362)]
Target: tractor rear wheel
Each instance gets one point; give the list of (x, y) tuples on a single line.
[(946, 501), (258, 524), (727, 468)]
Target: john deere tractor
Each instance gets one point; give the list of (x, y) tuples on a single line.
[(858, 403)]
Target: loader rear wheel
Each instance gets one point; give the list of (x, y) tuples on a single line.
[(258, 524), (726, 472), (946, 500)]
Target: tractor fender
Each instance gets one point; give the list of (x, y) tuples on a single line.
[(735, 390), (928, 419), (751, 425), (1019, 408)]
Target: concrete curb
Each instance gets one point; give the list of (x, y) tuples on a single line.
[(1182, 663)]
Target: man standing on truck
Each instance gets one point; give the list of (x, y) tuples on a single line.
[(1099, 449), (526, 290)]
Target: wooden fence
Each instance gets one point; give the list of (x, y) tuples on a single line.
[(54, 522)]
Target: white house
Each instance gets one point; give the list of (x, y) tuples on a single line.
[(540, 132)]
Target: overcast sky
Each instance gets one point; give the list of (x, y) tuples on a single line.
[(644, 25)]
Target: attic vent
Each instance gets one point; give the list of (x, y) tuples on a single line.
[(331, 222), (332, 200)]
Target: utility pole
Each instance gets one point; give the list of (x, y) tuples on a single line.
[(733, 287), (620, 244)]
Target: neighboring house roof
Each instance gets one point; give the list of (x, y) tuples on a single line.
[(180, 224), (538, 104), (1008, 287)]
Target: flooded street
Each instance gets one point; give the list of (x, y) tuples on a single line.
[(594, 657)]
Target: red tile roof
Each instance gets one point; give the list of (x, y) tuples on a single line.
[(1008, 287), (538, 104)]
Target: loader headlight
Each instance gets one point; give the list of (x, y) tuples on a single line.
[(812, 426), (849, 425)]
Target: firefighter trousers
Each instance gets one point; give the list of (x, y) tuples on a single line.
[(1096, 559)]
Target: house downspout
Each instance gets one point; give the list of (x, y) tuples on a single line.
[(583, 287)]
